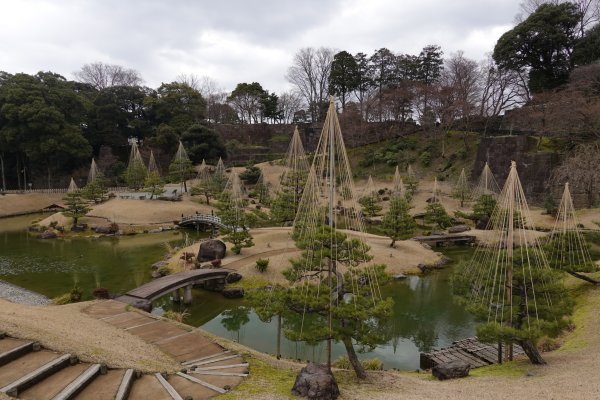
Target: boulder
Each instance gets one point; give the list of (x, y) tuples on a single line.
[(316, 382), (482, 223), (451, 370), (458, 229), (79, 227), (105, 230), (233, 277), (211, 249), (142, 304), (233, 293), (399, 277), (158, 264), (47, 235)]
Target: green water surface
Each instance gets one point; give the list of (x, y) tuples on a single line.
[(425, 315)]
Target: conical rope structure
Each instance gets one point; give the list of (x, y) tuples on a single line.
[(369, 189), (203, 174), (93, 172), (329, 201), (510, 281), (462, 191), (234, 195), (72, 186), (568, 250), (398, 188), (435, 192), (219, 177), (136, 171), (152, 165), (486, 184)]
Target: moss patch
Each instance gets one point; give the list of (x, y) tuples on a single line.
[(264, 379), (514, 369)]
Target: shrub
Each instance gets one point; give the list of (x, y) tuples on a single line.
[(176, 315), (373, 364), (262, 264), (76, 294), (62, 299), (100, 293), (425, 158)]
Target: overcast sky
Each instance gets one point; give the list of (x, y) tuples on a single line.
[(235, 40)]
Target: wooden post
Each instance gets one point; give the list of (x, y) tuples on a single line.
[(177, 295), (187, 294)]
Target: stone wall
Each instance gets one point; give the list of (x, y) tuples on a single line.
[(535, 168)]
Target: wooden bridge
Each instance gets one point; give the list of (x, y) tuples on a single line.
[(469, 350), (444, 240), (196, 220), (142, 296)]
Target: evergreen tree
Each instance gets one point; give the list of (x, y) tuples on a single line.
[(484, 207), (232, 214), (371, 206), (397, 223), (285, 204), (154, 184), (181, 169), (359, 320), (435, 213), (518, 319), (96, 189), (76, 206)]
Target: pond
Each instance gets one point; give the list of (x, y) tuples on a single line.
[(425, 315)]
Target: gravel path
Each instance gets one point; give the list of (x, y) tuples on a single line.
[(17, 294)]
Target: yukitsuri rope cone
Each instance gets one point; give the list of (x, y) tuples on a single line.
[(567, 248), (508, 283), (398, 188), (136, 171), (462, 190), (329, 201), (72, 186), (292, 182), (152, 165), (487, 184), (93, 172)]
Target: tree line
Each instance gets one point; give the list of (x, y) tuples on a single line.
[(50, 125)]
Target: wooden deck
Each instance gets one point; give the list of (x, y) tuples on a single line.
[(470, 350), (161, 286)]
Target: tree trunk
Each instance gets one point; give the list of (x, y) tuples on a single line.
[(358, 368), (393, 243), (584, 277), (278, 352), (2, 171), (18, 173), (207, 199), (532, 352)]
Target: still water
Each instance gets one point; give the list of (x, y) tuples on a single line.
[(425, 315)]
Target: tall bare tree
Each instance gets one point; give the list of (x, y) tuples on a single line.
[(501, 89), (309, 73), (289, 103), (101, 75), (581, 170)]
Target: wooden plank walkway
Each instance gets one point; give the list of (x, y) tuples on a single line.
[(162, 286), (183, 343), (470, 350)]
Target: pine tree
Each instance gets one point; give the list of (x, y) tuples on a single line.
[(154, 184), (397, 223), (462, 191), (286, 201), (371, 206), (96, 189), (181, 168), (360, 320), (76, 206), (233, 216), (435, 213)]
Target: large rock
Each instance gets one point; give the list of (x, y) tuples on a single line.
[(211, 249), (233, 293), (233, 277), (451, 370), (47, 235), (105, 230), (458, 229), (316, 381), (482, 223)]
